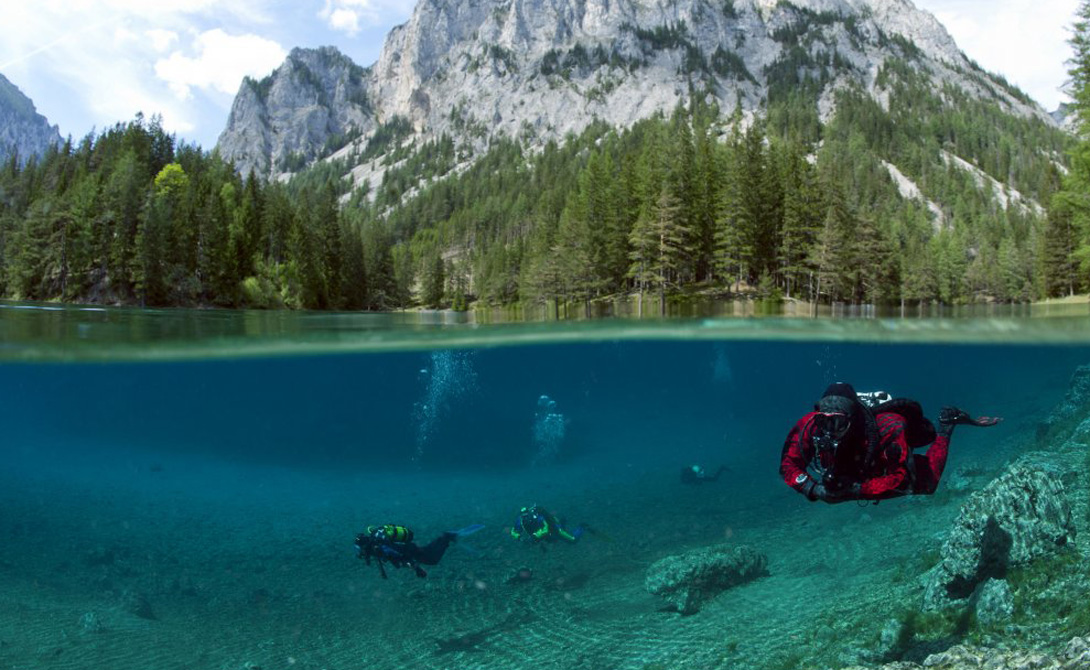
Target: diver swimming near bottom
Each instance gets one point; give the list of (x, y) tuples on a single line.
[(540, 525), (696, 474), (859, 447), (394, 544)]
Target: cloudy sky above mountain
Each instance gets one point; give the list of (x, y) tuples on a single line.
[(92, 63)]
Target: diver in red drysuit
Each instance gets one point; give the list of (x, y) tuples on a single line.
[(845, 450)]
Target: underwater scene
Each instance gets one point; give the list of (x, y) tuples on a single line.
[(235, 491)]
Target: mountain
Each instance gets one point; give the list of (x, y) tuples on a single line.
[(316, 99), (536, 151), (539, 69), (1064, 116), (22, 129)]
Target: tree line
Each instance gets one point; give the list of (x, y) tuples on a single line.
[(695, 201), (128, 217)]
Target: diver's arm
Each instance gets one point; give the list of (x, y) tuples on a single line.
[(794, 460)]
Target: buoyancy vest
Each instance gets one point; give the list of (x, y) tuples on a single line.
[(391, 533)]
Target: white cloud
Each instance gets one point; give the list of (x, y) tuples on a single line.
[(93, 63), (162, 39), (349, 16), (345, 20), (220, 63)]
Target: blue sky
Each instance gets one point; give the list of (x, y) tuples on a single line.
[(88, 64)]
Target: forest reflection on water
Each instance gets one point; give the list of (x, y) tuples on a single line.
[(53, 332), (712, 307)]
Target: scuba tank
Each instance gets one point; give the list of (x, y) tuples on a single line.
[(534, 522), (873, 399), (391, 533)]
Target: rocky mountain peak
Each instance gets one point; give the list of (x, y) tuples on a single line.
[(539, 69), (309, 107), (23, 131)]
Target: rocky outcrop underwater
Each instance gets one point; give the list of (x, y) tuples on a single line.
[(1011, 586), (689, 580), (1075, 655)]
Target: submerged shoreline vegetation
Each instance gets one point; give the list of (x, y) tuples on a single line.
[(206, 518)]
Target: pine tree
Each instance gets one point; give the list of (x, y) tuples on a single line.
[(1079, 71), (355, 272), (573, 254), (1073, 201), (879, 265), (731, 219), (541, 279), (835, 254), (685, 184), (600, 209), (433, 281), (1059, 269), (802, 207), (659, 247), (125, 197)]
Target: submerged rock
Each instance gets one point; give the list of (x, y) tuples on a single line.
[(689, 580), (1075, 655), (135, 602), (995, 602), (1022, 515), (1073, 406)]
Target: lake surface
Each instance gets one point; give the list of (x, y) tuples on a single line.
[(182, 489)]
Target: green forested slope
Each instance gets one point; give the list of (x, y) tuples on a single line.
[(783, 205)]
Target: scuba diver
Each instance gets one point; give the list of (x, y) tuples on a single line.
[(394, 544), (540, 525), (859, 447), (696, 474)]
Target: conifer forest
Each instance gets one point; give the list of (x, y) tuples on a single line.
[(785, 206)]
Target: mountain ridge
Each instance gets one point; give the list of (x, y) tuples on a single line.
[(22, 129), (539, 69)]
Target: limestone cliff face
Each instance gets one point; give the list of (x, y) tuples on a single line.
[(23, 130), (538, 69), (310, 106)]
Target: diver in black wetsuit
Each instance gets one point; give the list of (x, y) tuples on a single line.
[(394, 545)]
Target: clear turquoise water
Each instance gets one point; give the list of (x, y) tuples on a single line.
[(217, 465)]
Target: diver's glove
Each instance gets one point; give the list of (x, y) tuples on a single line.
[(814, 491), (853, 492)]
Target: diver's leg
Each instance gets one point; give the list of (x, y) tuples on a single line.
[(431, 553), (929, 467)]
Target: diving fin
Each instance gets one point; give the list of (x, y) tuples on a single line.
[(468, 530), (605, 537), (955, 416), (463, 532)]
